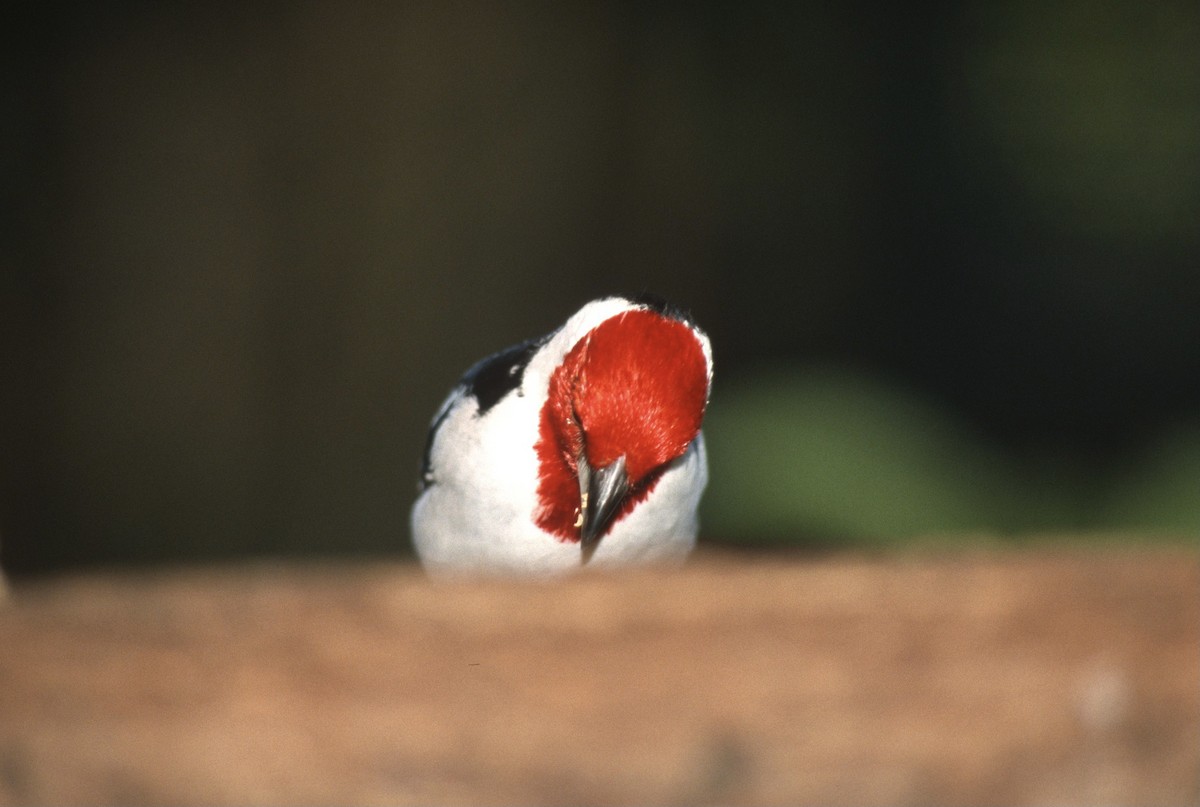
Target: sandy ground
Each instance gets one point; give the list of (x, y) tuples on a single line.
[(1065, 677)]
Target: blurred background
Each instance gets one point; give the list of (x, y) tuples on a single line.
[(949, 259)]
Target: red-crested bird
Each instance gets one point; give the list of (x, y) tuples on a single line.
[(581, 448)]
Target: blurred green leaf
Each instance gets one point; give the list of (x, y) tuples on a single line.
[(823, 456)]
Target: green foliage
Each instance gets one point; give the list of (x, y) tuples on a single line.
[(825, 457)]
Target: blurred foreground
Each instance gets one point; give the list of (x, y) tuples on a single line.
[(1060, 677)]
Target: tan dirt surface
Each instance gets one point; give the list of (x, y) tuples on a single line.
[(1060, 677)]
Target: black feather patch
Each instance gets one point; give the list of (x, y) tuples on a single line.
[(660, 305), (427, 477), (499, 374)]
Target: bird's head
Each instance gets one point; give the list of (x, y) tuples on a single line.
[(625, 402)]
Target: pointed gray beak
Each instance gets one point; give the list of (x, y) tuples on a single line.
[(601, 492)]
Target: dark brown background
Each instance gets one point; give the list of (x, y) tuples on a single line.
[(247, 249)]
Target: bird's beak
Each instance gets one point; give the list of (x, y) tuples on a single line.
[(601, 492)]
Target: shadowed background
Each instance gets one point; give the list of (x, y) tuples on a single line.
[(949, 258)]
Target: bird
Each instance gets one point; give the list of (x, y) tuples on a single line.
[(580, 449)]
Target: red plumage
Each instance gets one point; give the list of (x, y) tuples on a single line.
[(635, 386)]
